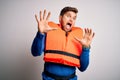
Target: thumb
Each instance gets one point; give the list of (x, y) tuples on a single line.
[(80, 40), (77, 39), (50, 29)]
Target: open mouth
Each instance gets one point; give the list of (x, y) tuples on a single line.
[(69, 24)]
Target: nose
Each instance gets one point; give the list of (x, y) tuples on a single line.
[(71, 20)]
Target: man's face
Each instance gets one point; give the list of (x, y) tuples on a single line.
[(68, 20)]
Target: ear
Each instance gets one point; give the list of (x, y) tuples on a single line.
[(60, 17)]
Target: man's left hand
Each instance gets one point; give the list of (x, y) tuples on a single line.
[(87, 38)]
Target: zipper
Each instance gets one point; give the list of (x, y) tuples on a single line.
[(66, 35)]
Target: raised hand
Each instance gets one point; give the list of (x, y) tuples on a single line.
[(87, 38), (43, 26)]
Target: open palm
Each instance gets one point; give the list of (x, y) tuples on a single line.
[(87, 38), (43, 26)]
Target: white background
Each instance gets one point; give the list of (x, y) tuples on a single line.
[(18, 29)]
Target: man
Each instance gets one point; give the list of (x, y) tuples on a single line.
[(65, 46)]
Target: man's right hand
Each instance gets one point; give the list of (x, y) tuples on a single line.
[(43, 26)]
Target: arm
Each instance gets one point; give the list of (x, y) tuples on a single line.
[(85, 41), (38, 44), (43, 27), (84, 59)]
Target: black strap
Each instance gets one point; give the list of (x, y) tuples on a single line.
[(62, 52), (56, 77)]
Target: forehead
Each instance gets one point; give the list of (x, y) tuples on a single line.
[(71, 13)]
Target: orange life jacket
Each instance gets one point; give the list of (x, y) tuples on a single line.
[(62, 48)]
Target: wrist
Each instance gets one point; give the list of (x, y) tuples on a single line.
[(86, 47), (41, 32)]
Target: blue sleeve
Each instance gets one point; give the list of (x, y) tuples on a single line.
[(84, 59), (38, 44)]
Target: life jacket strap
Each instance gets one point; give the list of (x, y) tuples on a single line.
[(62, 53), (56, 77)]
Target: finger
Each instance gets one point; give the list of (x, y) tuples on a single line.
[(41, 18), (36, 17), (44, 14), (48, 16), (93, 35), (86, 31), (90, 31)]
